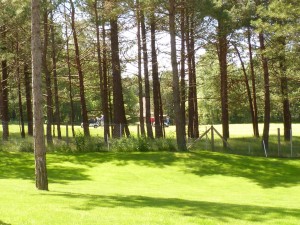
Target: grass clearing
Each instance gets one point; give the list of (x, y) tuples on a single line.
[(150, 188)]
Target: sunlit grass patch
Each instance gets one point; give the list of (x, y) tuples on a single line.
[(198, 187)]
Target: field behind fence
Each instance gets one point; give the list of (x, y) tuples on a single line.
[(243, 142), (241, 139)]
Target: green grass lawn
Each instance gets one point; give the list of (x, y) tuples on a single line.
[(150, 188)]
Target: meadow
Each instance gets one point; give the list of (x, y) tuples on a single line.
[(195, 187)]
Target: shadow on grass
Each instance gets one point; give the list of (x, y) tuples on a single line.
[(149, 159), (222, 212), (21, 166), (267, 173), (63, 168), (2, 223)]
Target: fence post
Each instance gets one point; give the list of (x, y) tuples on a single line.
[(212, 139), (278, 132)]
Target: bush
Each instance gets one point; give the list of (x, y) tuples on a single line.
[(26, 147), (142, 145), (89, 144)]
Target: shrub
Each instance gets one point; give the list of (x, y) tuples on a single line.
[(142, 145), (89, 144), (26, 147)]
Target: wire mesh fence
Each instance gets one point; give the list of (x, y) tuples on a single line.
[(243, 142)]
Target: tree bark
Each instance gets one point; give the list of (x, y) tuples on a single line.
[(146, 77), (47, 76), (223, 48), (118, 101), (102, 72), (140, 79), (180, 127), (99, 58), (106, 93), (184, 27), (193, 127), (4, 89), (287, 120), (72, 116), (255, 116), (19, 91), (28, 90), (194, 86), (55, 83), (267, 109), (247, 88), (156, 83), (5, 111), (39, 141), (80, 74)]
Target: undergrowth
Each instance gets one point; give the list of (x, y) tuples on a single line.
[(81, 144)]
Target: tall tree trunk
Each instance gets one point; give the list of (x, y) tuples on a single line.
[(146, 77), (39, 141), (190, 74), (180, 127), (47, 76), (102, 72), (1, 108), (80, 74), (106, 93), (161, 111), (118, 101), (19, 91), (156, 83), (183, 25), (223, 48), (99, 58), (267, 92), (255, 113), (195, 103), (247, 88), (55, 83), (28, 90), (193, 127), (140, 80), (4, 88), (287, 120), (5, 112), (72, 116)]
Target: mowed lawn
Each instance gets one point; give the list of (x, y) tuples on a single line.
[(150, 188)]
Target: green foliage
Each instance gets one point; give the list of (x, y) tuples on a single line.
[(17, 145), (88, 144), (142, 145), (26, 147)]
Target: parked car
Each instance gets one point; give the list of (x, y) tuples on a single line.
[(97, 122)]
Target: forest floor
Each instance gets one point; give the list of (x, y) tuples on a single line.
[(198, 187)]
